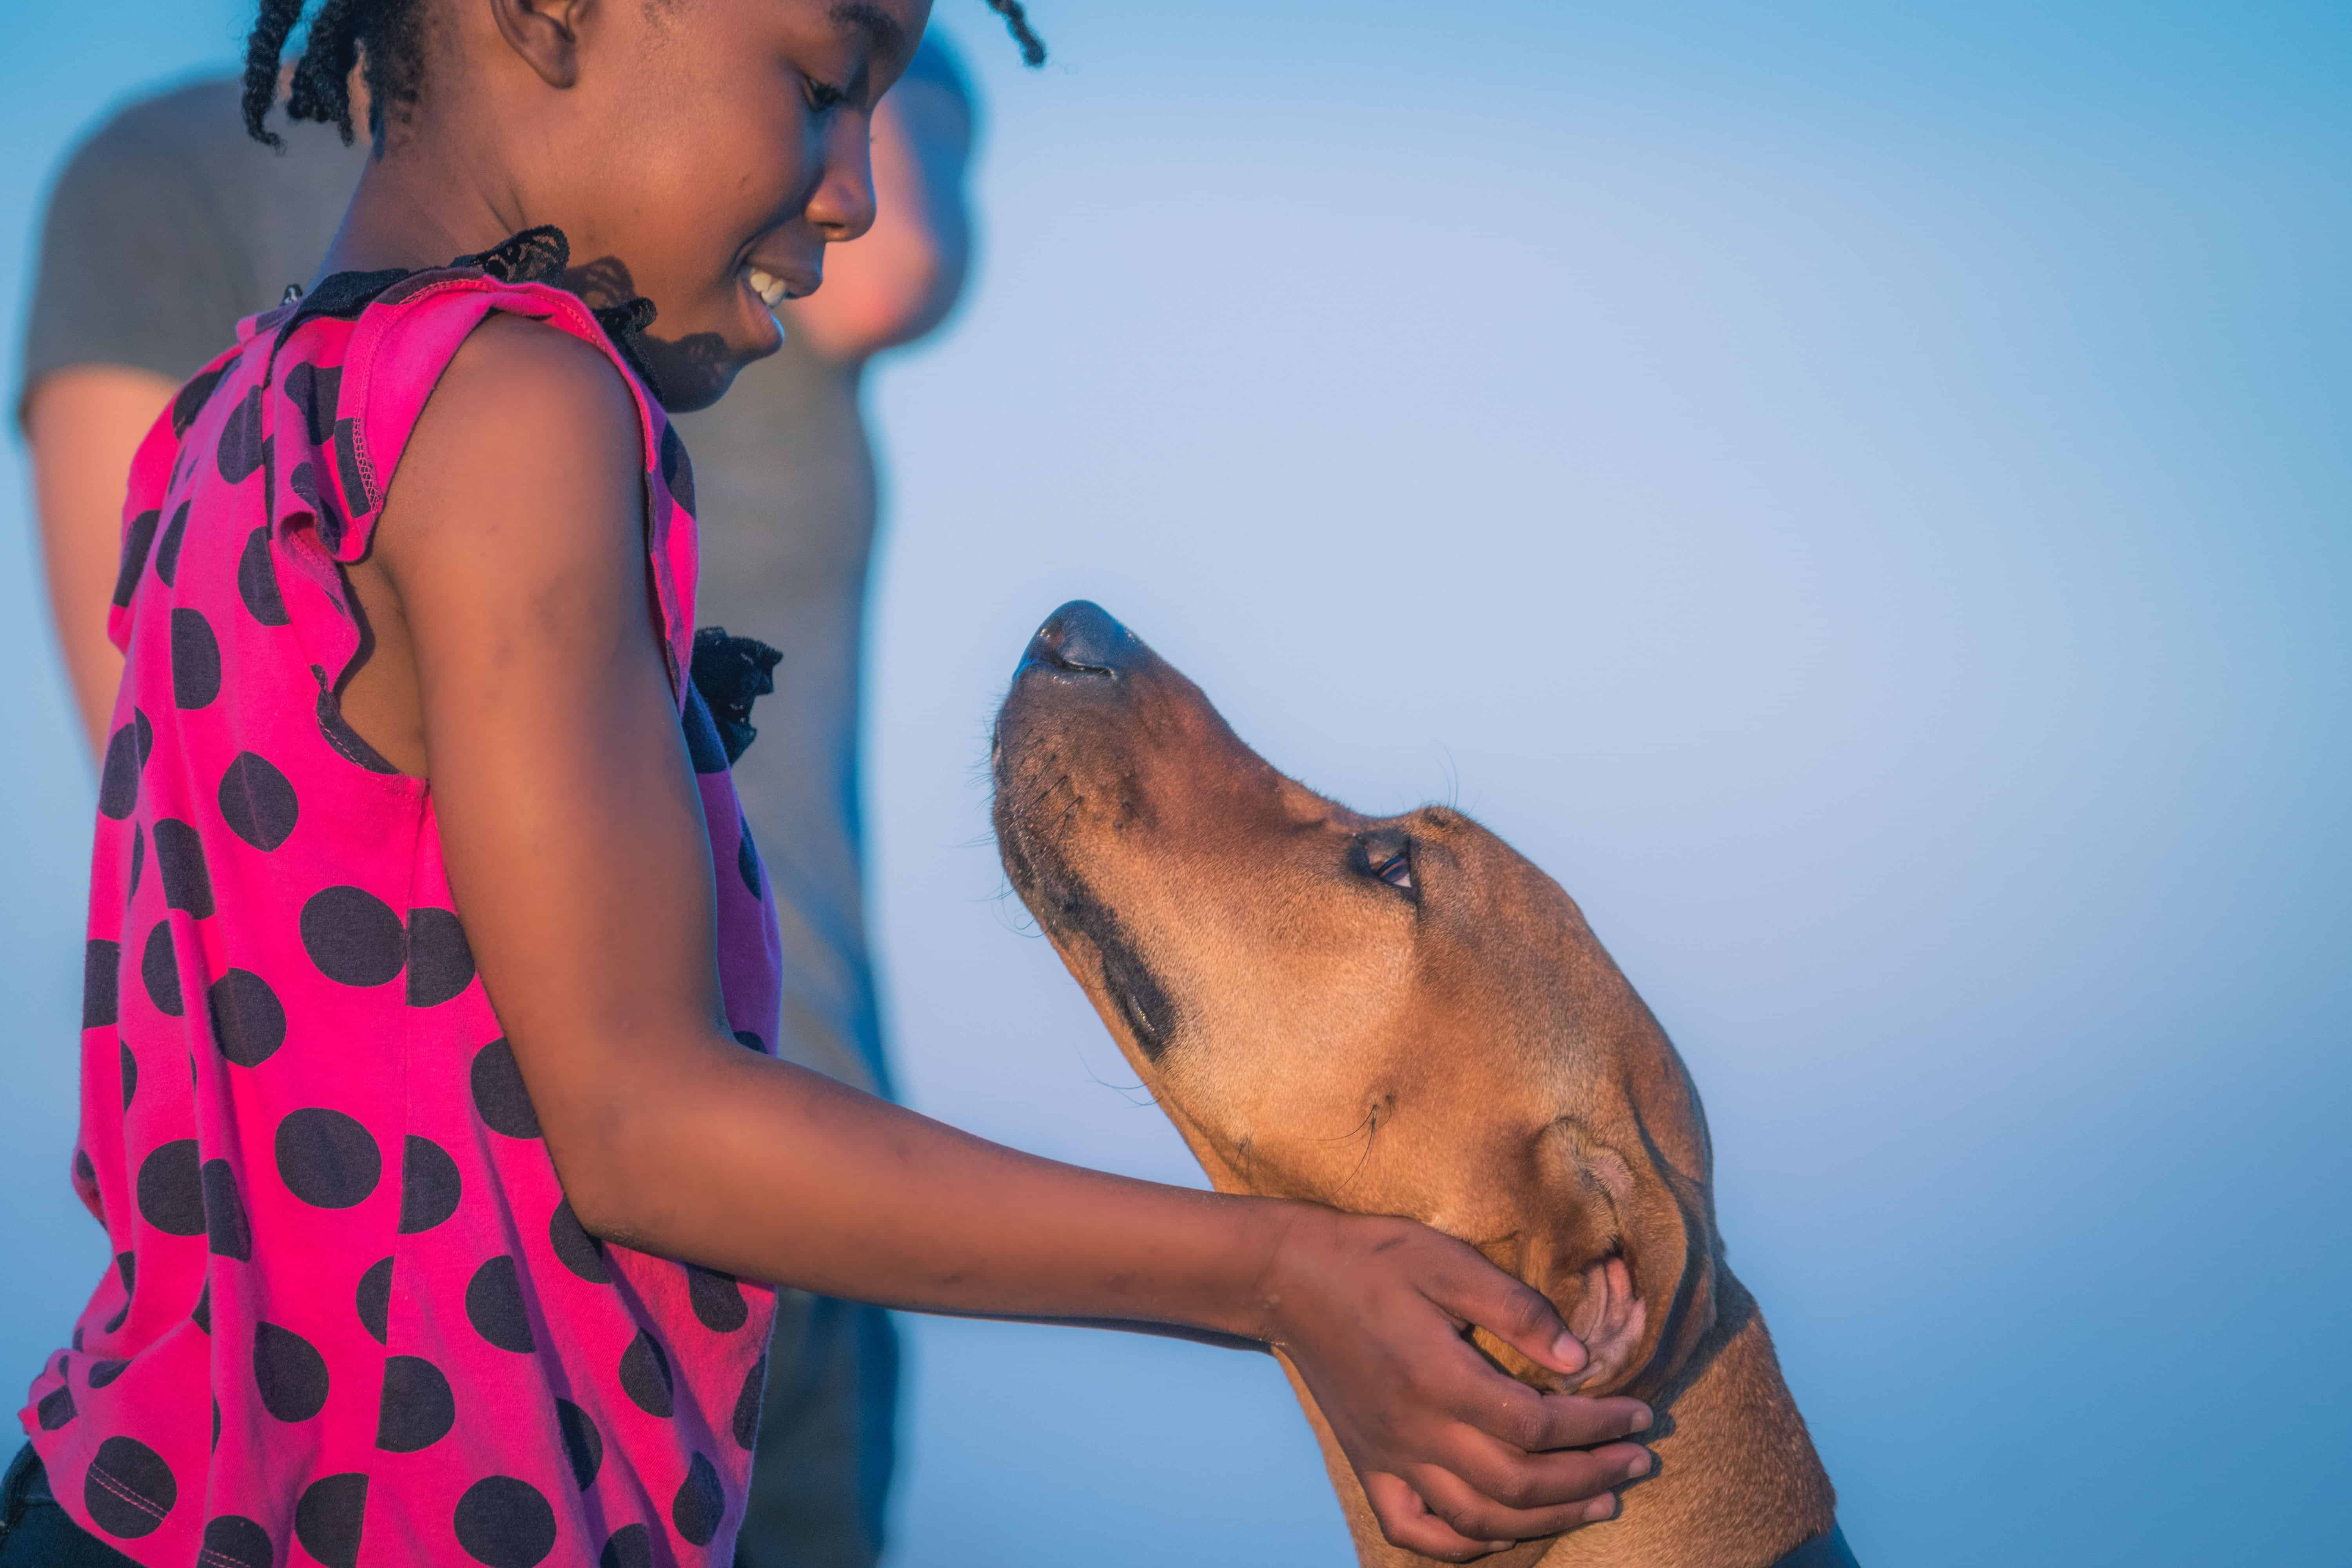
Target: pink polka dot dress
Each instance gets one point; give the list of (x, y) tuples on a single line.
[(353, 1321)]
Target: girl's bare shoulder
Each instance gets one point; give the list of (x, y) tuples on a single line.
[(530, 431)]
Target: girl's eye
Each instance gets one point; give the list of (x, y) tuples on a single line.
[(823, 95), (1396, 871)]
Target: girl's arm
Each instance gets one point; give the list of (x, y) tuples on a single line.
[(571, 824)]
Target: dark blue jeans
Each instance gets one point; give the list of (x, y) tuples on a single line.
[(35, 1532)]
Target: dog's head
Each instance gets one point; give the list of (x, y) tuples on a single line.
[(1394, 1015)]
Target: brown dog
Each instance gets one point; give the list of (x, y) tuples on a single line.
[(1402, 1016)]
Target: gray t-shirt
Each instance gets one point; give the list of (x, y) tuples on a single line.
[(169, 224)]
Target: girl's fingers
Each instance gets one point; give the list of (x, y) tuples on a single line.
[(1477, 1516), (1514, 1413), (1474, 1291), (1406, 1520), (1571, 1479)]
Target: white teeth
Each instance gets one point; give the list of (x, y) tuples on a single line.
[(771, 290)]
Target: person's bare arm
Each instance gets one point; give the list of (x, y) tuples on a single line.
[(901, 279), (574, 839), (83, 425)]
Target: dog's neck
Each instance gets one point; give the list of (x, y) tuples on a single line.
[(1737, 1484)]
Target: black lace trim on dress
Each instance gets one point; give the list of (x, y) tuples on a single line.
[(730, 672), (539, 255)]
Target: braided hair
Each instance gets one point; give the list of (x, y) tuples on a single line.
[(388, 38)]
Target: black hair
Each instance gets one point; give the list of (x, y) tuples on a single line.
[(389, 36)]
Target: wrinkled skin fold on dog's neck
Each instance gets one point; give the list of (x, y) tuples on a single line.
[(1397, 1016)]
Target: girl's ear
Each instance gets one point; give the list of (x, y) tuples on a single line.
[(546, 34)]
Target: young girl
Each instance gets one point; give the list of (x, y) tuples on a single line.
[(426, 941)]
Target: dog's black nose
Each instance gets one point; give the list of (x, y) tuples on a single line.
[(1083, 638)]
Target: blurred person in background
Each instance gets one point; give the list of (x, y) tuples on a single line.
[(169, 224)]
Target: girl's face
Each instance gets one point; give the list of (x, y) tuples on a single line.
[(706, 153)]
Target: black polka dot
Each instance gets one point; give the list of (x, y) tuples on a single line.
[(85, 1173), (159, 967), (101, 962), (290, 1373), (241, 439), (704, 749), (499, 1095), (746, 1424), (632, 1546), (233, 1540), (328, 1518), (505, 1523), (324, 516), (128, 1489), (126, 1264), (418, 1409), (746, 859), (374, 1300), (429, 1185), (195, 659), (677, 467), (102, 1372), (440, 961), (202, 1313), (248, 1021), (138, 861), (180, 861), (167, 552), (137, 539), (117, 775), (128, 1067), (645, 1376), (494, 1305), (701, 1504), (171, 1194), (327, 1159), (582, 1444), (313, 391), (574, 1248), (190, 400), (55, 1408), (353, 937), (751, 1042), (357, 493), (257, 580), (225, 1223), (256, 802), (216, 1420), (718, 1299)]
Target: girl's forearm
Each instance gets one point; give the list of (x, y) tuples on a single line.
[(777, 1173)]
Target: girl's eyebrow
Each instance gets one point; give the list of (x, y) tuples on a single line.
[(881, 27)]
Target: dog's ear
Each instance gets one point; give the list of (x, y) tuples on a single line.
[(1625, 1245)]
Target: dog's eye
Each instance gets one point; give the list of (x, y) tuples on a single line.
[(1396, 870)]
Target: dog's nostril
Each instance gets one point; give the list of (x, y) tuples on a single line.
[(1065, 657)]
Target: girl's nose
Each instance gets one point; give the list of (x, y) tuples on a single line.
[(842, 208)]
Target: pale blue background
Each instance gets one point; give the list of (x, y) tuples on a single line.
[(1859, 492)]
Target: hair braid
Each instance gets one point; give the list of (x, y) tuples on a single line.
[(321, 89), (1017, 22), (387, 36), (263, 47)]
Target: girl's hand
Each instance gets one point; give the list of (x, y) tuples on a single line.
[(1457, 1459)]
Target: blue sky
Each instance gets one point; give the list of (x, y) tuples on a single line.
[(1858, 493)]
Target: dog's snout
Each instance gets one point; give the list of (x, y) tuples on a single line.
[(1082, 638)]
